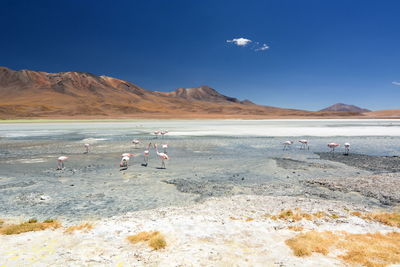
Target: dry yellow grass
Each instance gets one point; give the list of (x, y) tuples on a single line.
[(388, 218), (157, 242), (154, 239), (296, 228), (307, 243), (31, 225), (1, 222), (372, 250), (356, 213), (334, 216), (320, 214), (289, 215), (249, 219), (86, 227)]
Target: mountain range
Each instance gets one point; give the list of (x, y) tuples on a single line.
[(33, 94)]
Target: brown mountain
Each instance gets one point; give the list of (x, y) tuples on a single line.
[(32, 94), (340, 107), (205, 93)]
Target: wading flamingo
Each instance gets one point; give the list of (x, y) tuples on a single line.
[(135, 142), (156, 133), (162, 156), (60, 162), (346, 148), (163, 133), (124, 162), (146, 155), (332, 146), (87, 148), (165, 146), (304, 144), (287, 144)]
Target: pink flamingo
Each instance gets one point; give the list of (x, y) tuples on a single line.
[(346, 148), (332, 146), (146, 155), (60, 162), (135, 142), (156, 133), (287, 144), (304, 144), (127, 155), (87, 148), (162, 156), (165, 146)]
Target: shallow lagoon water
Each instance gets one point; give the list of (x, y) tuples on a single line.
[(208, 158)]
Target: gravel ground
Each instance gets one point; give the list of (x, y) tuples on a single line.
[(217, 232), (384, 187), (377, 164)]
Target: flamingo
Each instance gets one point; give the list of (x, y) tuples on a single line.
[(165, 146), (163, 133), (124, 162), (135, 142), (162, 156), (287, 144), (156, 133), (346, 148), (127, 154), (304, 144), (87, 148), (60, 162), (146, 154), (332, 146)]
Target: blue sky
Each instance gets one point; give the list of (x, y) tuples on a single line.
[(319, 51)]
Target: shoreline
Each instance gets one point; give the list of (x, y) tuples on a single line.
[(139, 119)]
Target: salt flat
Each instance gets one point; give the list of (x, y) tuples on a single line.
[(215, 168)]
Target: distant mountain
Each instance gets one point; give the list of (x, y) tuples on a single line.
[(33, 94), (340, 107), (205, 93)]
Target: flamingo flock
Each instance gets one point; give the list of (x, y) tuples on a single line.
[(304, 145), (163, 156), (125, 157)]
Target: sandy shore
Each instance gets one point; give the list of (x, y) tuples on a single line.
[(233, 231)]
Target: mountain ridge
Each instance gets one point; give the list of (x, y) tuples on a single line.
[(33, 94)]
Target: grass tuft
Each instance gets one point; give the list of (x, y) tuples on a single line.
[(296, 228), (157, 242), (154, 239), (1, 222), (249, 219), (86, 227), (289, 215), (372, 249), (29, 226), (356, 213), (313, 241)]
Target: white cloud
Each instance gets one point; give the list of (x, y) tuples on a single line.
[(239, 41), (396, 83), (255, 46), (262, 48)]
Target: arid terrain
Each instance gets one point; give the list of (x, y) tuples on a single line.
[(81, 95)]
